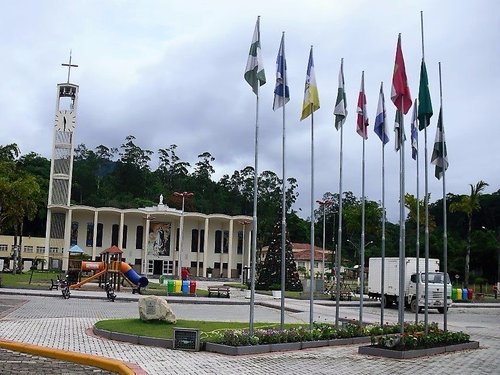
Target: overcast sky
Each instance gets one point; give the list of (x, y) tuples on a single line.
[(171, 72)]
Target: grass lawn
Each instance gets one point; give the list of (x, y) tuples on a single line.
[(164, 330), (39, 280)]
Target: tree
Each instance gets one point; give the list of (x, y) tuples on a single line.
[(270, 270), (468, 204)]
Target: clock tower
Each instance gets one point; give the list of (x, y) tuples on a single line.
[(61, 168)]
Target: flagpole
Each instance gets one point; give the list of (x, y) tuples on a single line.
[(338, 259), (382, 275), (254, 221), (283, 203), (311, 287), (417, 250), (362, 244), (426, 201), (445, 230), (401, 305)]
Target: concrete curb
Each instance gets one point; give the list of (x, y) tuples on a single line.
[(83, 359)]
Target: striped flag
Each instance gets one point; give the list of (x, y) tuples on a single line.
[(424, 99), (380, 127), (439, 154), (281, 92), (400, 94), (362, 122), (399, 132), (311, 97), (254, 72), (414, 132), (340, 110)]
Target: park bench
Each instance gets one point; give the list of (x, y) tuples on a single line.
[(136, 289), (220, 291), (54, 284)]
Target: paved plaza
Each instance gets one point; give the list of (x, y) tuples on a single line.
[(45, 319)]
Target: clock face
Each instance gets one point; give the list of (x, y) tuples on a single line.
[(65, 121)]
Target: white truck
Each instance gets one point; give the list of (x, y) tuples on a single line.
[(391, 283)]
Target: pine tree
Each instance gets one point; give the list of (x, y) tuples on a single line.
[(269, 272)]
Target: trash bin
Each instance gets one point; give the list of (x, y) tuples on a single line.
[(192, 286), (464, 294), (470, 294), (453, 294), (185, 286), (458, 292), (162, 279), (170, 286), (178, 286)]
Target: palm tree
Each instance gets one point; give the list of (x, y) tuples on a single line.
[(468, 204)]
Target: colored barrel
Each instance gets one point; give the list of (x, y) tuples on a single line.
[(464, 294), (453, 294), (458, 292), (178, 286), (170, 286), (185, 286), (192, 286), (470, 294)]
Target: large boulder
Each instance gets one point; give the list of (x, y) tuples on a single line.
[(156, 308)]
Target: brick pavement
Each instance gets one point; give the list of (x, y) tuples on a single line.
[(63, 325)]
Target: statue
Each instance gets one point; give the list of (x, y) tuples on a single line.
[(161, 199)]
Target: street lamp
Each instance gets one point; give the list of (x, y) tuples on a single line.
[(324, 203), (357, 248), (184, 195)]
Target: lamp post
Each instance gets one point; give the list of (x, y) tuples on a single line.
[(324, 203), (357, 248), (183, 195)]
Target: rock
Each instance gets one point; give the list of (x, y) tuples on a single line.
[(156, 308)]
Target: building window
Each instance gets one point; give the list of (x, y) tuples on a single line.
[(90, 235), (28, 249), (194, 240), (193, 265), (114, 234), (218, 242), (124, 240), (53, 250), (217, 267), (225, 248), (4, 247), (40, 249), (139, 237), (177, 239), (239, 249), (202, 240), (74, 233), (100, 230)]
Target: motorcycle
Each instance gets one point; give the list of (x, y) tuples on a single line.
[(110, 292), (64, 285)]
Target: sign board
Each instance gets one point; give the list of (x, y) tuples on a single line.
[(187, 339)]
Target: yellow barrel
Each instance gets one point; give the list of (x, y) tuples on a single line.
[(178, 286), (459, 294)]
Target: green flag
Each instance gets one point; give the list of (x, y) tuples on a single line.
[(424, 99), (439, 154), (254, 72), (340, 110)]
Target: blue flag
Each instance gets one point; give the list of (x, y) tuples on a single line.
[(281, 92), (380, 123)]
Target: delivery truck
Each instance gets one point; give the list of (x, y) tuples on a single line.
[(391, 296)]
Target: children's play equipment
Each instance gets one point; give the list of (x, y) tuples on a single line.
[(111, 270)]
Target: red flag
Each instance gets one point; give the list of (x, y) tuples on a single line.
[(400, 94), (362, 128)]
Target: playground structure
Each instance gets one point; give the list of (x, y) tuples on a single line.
[(111, 269)]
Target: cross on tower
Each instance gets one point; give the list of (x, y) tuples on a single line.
[(69, 65)]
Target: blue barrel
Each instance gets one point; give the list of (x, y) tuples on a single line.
[(185, 286), (464, 294)]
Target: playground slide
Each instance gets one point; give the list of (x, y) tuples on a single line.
[(77, 285), (133, 276)]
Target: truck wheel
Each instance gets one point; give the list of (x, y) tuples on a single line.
[(413, 306), (386, 301), (441, 309)]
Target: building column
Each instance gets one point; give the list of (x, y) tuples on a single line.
[(120, 231), (144, 262), (205, 251), (230, 249), (94, 235), (67, 238), (47, 238)]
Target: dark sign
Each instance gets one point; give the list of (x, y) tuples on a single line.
[(186, 339)]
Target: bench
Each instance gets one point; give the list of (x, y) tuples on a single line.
[(221, 291), (136, 289)]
